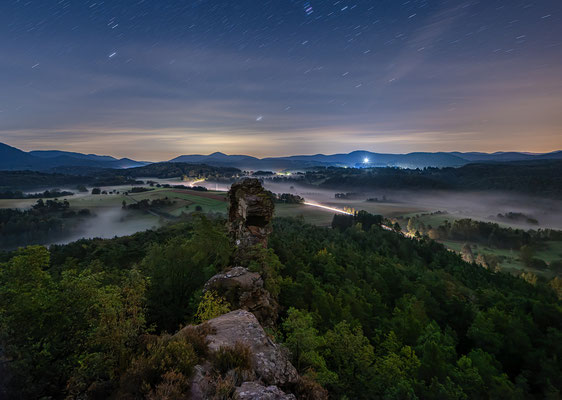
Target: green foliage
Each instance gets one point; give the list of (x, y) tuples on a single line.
[(266, 262), (73, 328), (177, 271), (366, 312), (211, 306), (439, 328), (349, 354), (303, 341), (166, 362)]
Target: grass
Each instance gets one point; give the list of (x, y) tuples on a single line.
[(311, 215), (551, 253)]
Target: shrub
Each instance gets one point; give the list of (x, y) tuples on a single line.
[(178, 355), (165, 360), (308, 389), (224, 388), (230, 358), (197, 336), (211, 306), (174, 386)]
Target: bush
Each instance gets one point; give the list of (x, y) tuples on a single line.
[(164, 367), (174, 386), (211, 306), (238, 357), (224, 388), (197, 336)]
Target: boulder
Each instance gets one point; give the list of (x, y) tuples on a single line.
[(244, 289), (257, 391), (270, 361), (233, 281)]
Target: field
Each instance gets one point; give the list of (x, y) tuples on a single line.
[(112, 219), (311, 215)]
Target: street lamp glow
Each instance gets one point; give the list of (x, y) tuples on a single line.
[(366, 160)]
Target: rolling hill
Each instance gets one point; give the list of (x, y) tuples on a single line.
[(14, 159)]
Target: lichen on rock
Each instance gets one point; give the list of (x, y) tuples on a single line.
[(255, 390)]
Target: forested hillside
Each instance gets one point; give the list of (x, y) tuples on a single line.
[(539, 178), (366, 313)]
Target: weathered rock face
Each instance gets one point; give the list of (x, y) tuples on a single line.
[(271, 363), (250, 213), (244, 290), (254, 390), (234, 281)]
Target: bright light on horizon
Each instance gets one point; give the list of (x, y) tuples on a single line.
[(366, 160)]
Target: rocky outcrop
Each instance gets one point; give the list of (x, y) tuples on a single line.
[(267, 374), (234, 281), (255, 390), (270, 370), (271, 363), (250, 213), (244, 290)]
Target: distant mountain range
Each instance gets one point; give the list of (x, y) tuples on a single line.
[(363, 159), (12, 158)]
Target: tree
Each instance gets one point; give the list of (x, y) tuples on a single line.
[(349, 354), (395, 369), (304, 342), (178, 270), (527, 253)]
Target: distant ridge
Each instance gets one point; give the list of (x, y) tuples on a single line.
[(12, 158), (358, 158)]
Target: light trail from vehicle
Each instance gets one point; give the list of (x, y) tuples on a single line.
[(197, 181), (308, 203)]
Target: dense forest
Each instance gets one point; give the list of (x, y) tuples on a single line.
[(542, 178), (22, 180), (365, 312)]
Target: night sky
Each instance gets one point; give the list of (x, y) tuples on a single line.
[(153, 79)]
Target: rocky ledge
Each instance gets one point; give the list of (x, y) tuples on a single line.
[(244, 290)]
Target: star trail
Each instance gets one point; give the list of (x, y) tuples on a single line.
[(154, 79)]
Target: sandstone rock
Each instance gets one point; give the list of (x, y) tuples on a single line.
[(233, 281), (256, 391), (199, 382), (271, 363), (244, 289), (250, 213)]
